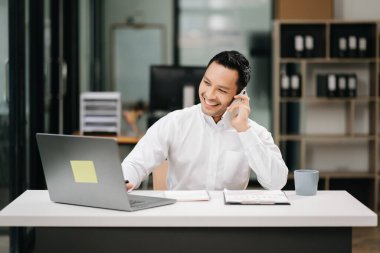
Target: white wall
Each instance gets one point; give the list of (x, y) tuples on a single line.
[(146, 11), (357, 9)]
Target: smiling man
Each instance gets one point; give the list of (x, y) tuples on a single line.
[(205, 148)]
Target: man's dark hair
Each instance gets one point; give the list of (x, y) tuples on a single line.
[(235, 61)]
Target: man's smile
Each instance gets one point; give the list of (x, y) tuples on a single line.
[(210, 102)]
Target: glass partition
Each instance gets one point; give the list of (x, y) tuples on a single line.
[(207, 27)]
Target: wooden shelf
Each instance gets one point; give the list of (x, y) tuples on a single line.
[(341, 175), (327, 21), (327, 137), (353, 114), (121, 139), (131, 140), (311, 99), (299, 60), (328, 60), (349, 174)]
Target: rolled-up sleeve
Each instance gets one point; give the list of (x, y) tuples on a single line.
[(150, 152), (264, 157)]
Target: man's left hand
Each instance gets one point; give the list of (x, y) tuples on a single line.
[(240, 120)]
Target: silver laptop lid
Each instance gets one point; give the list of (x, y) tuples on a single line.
[(83, 170)]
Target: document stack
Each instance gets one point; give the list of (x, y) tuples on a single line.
[(100, 113)]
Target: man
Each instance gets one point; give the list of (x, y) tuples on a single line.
[(206, 150)]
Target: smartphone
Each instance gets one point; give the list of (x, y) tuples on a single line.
[(230, 115)]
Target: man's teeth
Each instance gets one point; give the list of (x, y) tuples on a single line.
[(210, 103)]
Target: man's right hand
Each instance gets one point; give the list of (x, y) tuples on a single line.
[(129, 186)]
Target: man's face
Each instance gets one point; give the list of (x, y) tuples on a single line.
[(217, 90)]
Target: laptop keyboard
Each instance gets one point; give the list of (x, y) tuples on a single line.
[(136, 202), (140, 202)]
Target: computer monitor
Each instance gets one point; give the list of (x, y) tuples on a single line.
[(172, 87)]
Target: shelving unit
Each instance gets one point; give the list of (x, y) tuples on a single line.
[(339, 136), (100, 113)]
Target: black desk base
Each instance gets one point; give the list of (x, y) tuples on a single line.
[(195, 240)]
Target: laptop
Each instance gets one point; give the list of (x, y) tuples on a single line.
[(86, 171)]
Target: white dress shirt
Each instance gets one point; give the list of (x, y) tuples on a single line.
[(206, 155)]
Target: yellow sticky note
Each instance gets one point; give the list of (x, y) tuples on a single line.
[(84, 171)]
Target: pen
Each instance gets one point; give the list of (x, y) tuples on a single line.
[(255, 202)]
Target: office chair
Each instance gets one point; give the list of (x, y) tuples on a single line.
[(159, 176)]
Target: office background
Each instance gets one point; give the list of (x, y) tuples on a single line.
[(53, 50)]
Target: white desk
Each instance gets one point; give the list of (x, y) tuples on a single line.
[(320, 223)]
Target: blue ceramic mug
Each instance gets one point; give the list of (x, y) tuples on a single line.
[(306, 182)]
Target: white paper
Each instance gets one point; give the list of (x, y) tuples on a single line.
[(201, 195)]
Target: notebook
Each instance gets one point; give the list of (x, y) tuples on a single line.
[(83, 170), (255, 197)]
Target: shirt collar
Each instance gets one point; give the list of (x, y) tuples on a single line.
[(208, 120)]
